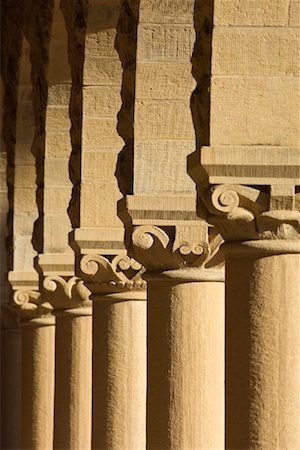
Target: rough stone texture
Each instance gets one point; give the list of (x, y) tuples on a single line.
[(162, 110), (251, 108), (186, 370), (251, 12), (262, 351), (109, 97)]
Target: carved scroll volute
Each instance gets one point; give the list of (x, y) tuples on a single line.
[(178, 247), (29, 304), (233, 210), (66, 293), (117, 273)]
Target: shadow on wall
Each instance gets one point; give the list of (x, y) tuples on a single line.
[(126, 44), (11, 42), (75, 14), (201, 70)]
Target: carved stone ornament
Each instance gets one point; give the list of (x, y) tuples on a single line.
[(66, 293), (167, 248), (246, 213), (29, 304), (104, 275)]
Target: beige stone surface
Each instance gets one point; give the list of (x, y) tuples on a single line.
[(254, 51), (251, 12), (249, 111), (170, 11), (38, 385), (294, 14), (165, 42), (262, 351), (185, 406), (163, 121), (73, 381), (119, 374), (153, 176)]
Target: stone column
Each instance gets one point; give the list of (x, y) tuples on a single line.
[(119, 351), (38, 338), (185, 393), (262, 315), (73, 361), (262, 341), (119, 328), (251, 165)]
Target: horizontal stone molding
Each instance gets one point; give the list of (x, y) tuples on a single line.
[(249, 165)]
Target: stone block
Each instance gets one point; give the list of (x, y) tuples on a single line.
[(165, 42), (23, 252), (58, 144), (255, 111), (23, 155), (162, 166), (56, 200), (103, 72), (294, 13), (251, 12), (25, 199), (163, 120), (101, 44), (164, 81), (56, 230), (25, 176), (99, 166), (101, 101), (25, 131), (59, 95), (24, 223), (101, 133), (102, 14), (256, 51), (167, 11), (99, 205), (57, 172), (57, 118)]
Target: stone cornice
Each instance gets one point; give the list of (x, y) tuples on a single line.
[(248, 165)]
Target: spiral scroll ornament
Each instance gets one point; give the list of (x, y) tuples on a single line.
[(112, 274)]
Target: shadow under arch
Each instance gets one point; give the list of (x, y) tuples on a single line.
[(201, 70), (126, 46)]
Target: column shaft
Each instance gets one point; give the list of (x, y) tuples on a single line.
[(37, 385), (185, 365), (73, 397), (262, 348), (119, 374)]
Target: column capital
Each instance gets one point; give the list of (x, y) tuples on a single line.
[(27, 302), (112, 274), (61, 288), (245, 213), (164, 232), (250, 193), (104, 264)]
